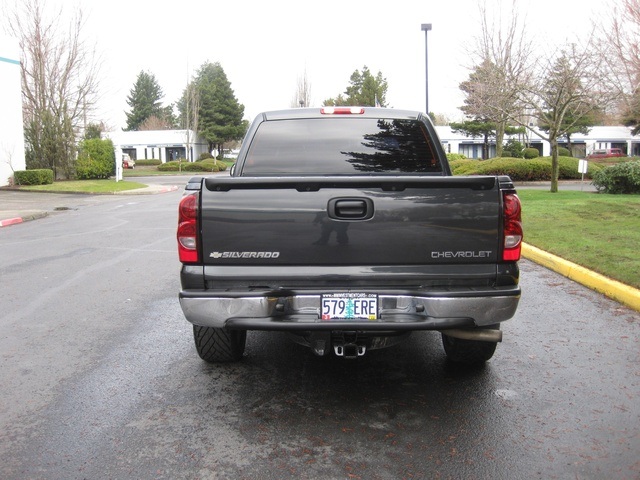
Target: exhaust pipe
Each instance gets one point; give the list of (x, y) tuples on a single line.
[(481, 335)]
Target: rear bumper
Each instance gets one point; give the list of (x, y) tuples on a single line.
[(397, 312)]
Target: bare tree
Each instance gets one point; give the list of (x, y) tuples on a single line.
[(59, 82), (561, 92), (510, 85), (302, 97), (155, 123), (503, 56), (620, 50)]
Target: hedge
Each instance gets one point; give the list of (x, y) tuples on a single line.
[(33, 177), (455, 156), (207, 165), (143, 163), (538, 169)]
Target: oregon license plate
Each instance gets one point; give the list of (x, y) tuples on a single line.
[(338, 306)]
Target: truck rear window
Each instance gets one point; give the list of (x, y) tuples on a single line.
[(341, 146)]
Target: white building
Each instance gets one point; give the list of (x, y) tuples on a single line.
[(11, 130), (581, 145), (163, 145)]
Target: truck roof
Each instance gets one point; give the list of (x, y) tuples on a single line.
[(320, 112)]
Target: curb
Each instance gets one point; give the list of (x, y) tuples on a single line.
[(32, 215), (10, 221), (613, 289)]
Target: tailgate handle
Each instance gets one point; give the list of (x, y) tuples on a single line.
[(350, 208)]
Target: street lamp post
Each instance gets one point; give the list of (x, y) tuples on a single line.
[(425, 28)]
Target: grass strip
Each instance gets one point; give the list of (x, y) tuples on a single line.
[(86, 186), (597, 231)]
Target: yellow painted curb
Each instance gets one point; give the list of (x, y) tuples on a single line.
[(611, 288)]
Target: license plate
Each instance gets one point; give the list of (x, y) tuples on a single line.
[(339, 306)]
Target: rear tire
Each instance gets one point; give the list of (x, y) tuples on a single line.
[(469, 352), (218, 345)]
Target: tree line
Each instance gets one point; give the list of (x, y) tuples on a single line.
[(208, 105), (512, 86), (553, 95)]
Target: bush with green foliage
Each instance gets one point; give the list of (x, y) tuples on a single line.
[(204, 156), (455, 156), (538, 169), (564, 152), (461, 165), (40, 176), (620, 178), (207, 165), (148, 162), (513, 149), (96, 159), (530, 153)]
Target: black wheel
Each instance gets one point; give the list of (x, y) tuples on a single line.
[(216, 345), (469, 352)]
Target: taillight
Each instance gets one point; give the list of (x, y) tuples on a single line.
[(342, 110), (512, 230), (187, 228)]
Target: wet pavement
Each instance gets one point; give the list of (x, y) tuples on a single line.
[(101, 378)]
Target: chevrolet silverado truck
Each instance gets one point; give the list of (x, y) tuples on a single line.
[(344, 227)]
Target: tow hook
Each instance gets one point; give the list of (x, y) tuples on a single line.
[(349, 350)]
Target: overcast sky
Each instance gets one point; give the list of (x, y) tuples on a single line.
[(264, 46)]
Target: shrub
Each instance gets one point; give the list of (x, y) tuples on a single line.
[(462, 166), (455, 156), (202, 166), (530, 153), (148, 163), (538, 169), (42, 176), (620, 178), (564, 152), (169, 167), (513, 148), (204, 156), (207, 165), (95, 159)]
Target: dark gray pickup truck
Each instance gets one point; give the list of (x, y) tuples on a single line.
[(344, 227)]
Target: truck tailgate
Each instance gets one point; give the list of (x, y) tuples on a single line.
[(339, 221)]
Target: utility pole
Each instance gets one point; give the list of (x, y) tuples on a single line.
[(425, 28)]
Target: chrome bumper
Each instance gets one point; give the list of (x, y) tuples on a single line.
[(302, 312)]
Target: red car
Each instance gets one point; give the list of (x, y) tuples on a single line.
[(127, 161), (607, 153)]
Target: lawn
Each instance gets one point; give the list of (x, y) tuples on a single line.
[(86, 186), (598, 231)]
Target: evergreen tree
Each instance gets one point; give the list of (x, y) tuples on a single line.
[(477, 128), (145, 101), (489, 98), (93, 130), (96, 159), (363, 89), (219, 112)]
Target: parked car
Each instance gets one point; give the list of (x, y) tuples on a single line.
[(127, 161), (607, 153)]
